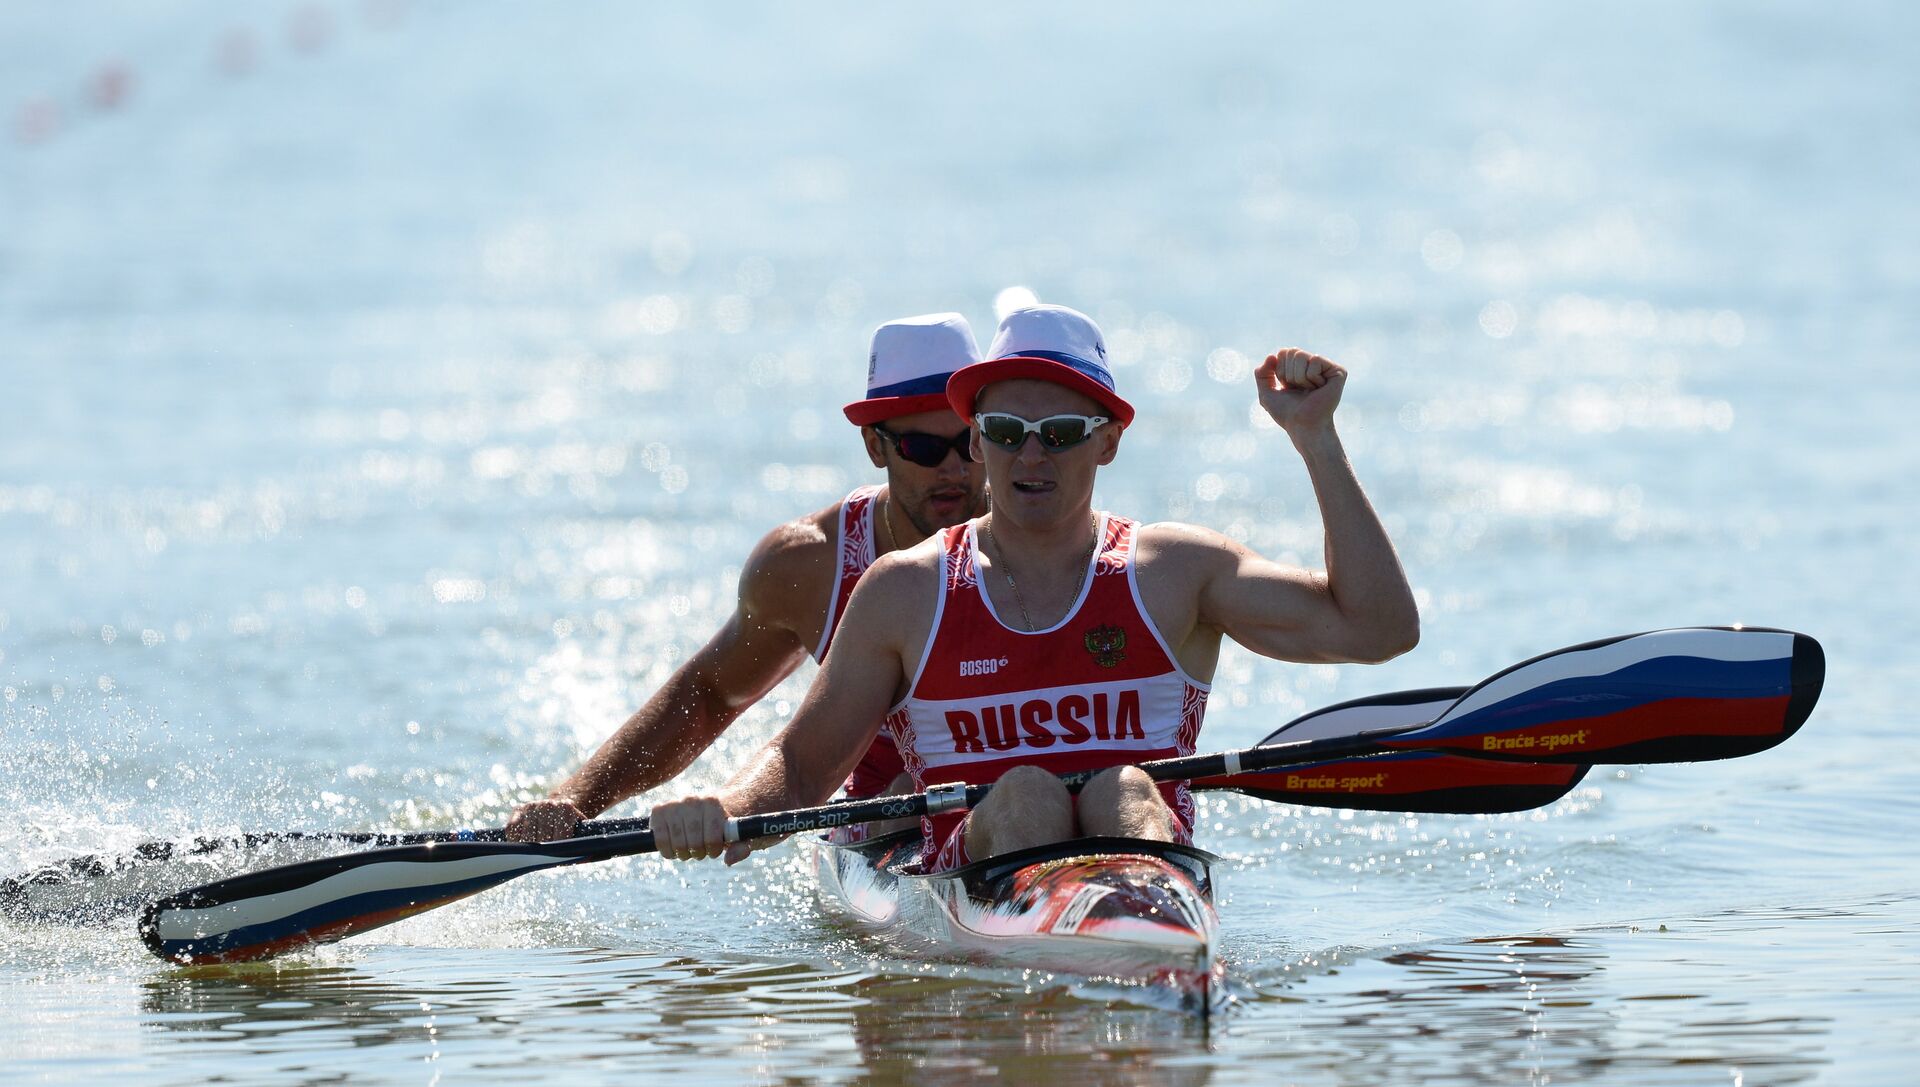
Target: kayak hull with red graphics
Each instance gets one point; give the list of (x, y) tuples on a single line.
[(1137, 912)]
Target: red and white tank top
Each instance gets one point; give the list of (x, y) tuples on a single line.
[(855, 551), (1100, 688)]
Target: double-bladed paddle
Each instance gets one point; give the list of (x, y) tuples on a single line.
[(1411, 782), (1689, 694)]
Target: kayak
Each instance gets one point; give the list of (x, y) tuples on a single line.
[(1134, 911)]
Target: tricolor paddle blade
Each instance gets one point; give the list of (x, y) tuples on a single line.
[(1684, 695), (262, 914), (1410, 782)]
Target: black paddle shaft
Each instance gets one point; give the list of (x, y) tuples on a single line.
[(956, 797)]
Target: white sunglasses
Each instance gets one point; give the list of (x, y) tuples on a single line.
[(1056, 432)]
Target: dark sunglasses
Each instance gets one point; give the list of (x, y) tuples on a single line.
[(923, 449), (1056, 432)]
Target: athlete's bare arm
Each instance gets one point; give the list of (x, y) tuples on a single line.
[(867, 670), (1198, 584), (782, 600)]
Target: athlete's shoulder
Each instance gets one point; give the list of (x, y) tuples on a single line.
[(788, 570), (1176, 553), (893, 602), (901, 570), (1179, 539), (801, 540)]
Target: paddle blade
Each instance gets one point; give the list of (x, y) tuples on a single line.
[(1411, 782), (89, 889), (262, 914), (1396, 709), (1684, 695)]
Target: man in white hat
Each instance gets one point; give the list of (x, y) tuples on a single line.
[(1046, 636), (795, 585)]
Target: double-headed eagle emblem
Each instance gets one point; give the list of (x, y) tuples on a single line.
[(1107, 644)]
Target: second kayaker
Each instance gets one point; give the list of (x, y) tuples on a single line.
[(795, 586)]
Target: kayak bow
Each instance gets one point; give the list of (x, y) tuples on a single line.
[(1135, 911)]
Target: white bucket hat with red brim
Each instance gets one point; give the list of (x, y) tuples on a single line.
[(1048, 343), (909, 364)]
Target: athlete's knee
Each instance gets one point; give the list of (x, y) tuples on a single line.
[(1026, 807), (1119, 785), (1029, 785), (1125, 801)]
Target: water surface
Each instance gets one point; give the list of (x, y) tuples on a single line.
[(392, 391)]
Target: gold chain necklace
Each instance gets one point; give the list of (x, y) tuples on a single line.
[(886, 511), (1006, 570)]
